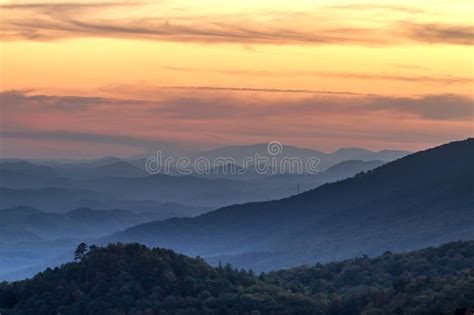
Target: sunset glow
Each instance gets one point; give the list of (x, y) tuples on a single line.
[(134, 75)]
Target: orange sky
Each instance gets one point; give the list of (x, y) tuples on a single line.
[(84, 79)]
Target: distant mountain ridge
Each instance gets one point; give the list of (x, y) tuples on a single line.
[(110, 167), (77, 223), (104, 185), (31, 240), (25, 167), (239, 152)]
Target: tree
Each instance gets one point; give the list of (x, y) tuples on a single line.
[(80, 251), (7, 297)]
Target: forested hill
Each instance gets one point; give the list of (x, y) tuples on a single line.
[(132, 279)]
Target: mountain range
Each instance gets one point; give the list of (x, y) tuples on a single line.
[(240, 152), (122, 185), (423, 199)]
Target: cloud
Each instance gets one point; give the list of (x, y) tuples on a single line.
[(87, 137), (54, 6), (398, 77), (52, 21), (435, 107), (339, 75), (179, 31), (215, 103), (265, 90), (91, 140), (174, 118), (440, 33), (21, 100), (372, 6)]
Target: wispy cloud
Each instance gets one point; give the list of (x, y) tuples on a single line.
[(378, 6), (440, 33), (54, 6), (265, 90), (51, 21), (339, 75), (179, 31), (22, 100)]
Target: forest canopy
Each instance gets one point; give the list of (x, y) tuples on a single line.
[(133, 279)]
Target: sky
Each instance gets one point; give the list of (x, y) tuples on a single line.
[(93, 78)]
